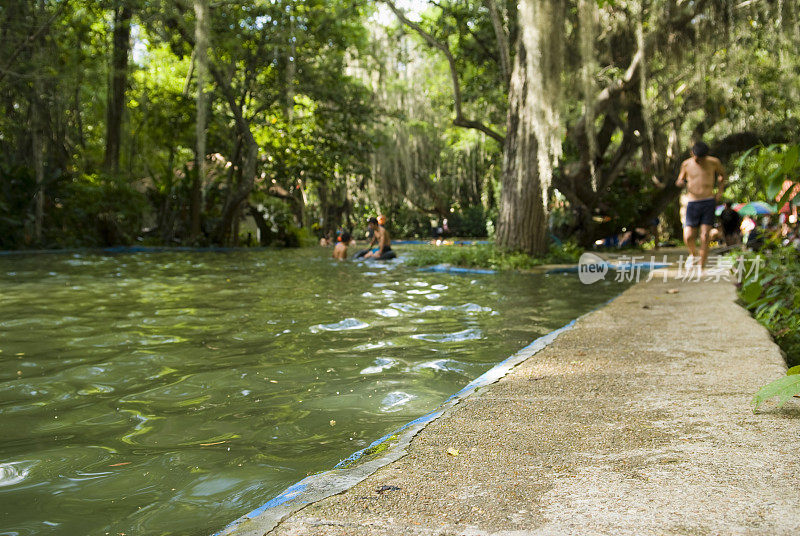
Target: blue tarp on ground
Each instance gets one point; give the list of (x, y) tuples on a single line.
[(447, 269), (446, 242)]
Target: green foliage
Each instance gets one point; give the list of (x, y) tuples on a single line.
[(474, 256), (772, 293), (468, 222), (350, 119), (16, 188), (281, 228), (763, 171), (489, 256), (81, 210), (94, 210), (406, 222), (784, 388), (568, 252)]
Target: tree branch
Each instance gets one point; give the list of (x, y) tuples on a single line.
[(460, 120), (31, 38), (502, 40)]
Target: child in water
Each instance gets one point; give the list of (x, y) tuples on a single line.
[(340, 249)]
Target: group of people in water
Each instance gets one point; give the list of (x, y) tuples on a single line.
[(380, 242)]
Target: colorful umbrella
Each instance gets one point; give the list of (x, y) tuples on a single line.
[(755, 208)]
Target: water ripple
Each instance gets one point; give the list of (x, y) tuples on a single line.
[(14, 472), (463, 335), (395, 401), (344, 325), (381, 364)]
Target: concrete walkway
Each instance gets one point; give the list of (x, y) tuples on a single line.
[(637, 421)]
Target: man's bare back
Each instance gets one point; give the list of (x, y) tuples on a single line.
[(384, 240), (700, 175)]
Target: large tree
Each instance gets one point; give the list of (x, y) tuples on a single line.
[(644, 79)]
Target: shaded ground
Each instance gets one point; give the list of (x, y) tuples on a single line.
[(637, 421)]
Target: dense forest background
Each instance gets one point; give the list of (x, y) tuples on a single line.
[(198, 122)]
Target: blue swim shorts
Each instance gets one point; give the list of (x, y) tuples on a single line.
[(701, 212)]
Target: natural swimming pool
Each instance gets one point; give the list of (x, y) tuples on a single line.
[(169, 393)]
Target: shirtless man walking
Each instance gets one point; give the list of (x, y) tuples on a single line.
[(700, 174)]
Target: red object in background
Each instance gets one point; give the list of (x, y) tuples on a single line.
[(786, 208)]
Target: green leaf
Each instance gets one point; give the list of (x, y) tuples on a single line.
[(740, 162), (751, 291), (790, 159), (784, 388), (774, 184)]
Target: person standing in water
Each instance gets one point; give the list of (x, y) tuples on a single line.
[(340, 249), (700, 174)]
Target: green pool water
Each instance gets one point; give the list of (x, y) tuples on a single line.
[(170, 393)]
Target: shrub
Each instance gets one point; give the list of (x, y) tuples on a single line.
[(489, 256), (772, 294)]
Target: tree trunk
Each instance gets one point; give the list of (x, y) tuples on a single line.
[(117, 86), (238, 192), (37, 147), (201, 56), (522, 220), (263, 227), (532, 142)]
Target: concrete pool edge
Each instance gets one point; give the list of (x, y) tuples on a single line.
[(319, 486)]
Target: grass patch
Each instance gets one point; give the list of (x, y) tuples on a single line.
[(489, 256)]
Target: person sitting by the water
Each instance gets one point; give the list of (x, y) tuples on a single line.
[(340, 249), (381, 236), (372, 232), (731, 223)]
